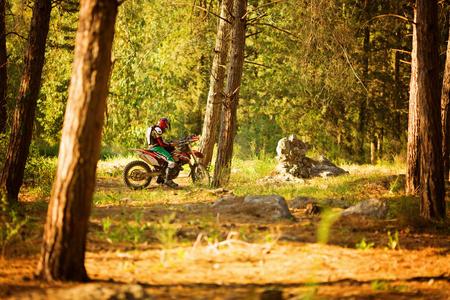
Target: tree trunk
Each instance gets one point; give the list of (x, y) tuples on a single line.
[(363, 104), (3, 68), (373, 150), (23, 119), (397, 91), (63, 248), (222, 167), (445, 114), (413, 147), (432, 200), (215, 94), (380, 139)]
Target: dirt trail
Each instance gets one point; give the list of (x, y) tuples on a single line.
[(182, 251)]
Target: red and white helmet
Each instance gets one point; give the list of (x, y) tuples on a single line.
[(164, 123)]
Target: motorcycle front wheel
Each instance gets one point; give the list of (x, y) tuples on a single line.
[(199, 175), (134, 175)]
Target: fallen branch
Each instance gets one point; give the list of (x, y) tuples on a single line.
[(231, 243)]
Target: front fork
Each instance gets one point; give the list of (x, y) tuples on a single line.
[(191, 166)]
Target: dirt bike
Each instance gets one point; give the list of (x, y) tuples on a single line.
[(139, 173)]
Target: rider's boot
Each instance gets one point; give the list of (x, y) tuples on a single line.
[(169, 181), (160, 180)]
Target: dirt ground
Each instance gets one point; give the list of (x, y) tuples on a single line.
[(181, 249)]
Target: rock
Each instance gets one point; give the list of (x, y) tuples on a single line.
[(313, 209), (272, 203), (293, 163), (301, 202), (227, 203), (221, 191), (290, 149), (371, 208), (320, 160), (271, 207), (323, 167)]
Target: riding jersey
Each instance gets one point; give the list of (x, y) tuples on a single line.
[(156, 142), (154, 137)]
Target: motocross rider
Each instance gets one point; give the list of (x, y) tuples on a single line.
[(156, 142)]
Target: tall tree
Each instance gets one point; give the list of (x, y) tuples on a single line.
[(445, 114), (413, 147), (432, 200), (23, 119), (216, 84), (63, 248), (222, 167), (3, 68), (362, 113)]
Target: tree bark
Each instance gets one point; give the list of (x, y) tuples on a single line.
[(63, 248), (362, 107), (222, 167), (216, 84), (413, 147), (362, 114), (373, 150), (445, 114), (432, 200), (3, 68), (397, 90), (23, 119)]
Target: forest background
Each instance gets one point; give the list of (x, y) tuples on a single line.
[(335, 73)]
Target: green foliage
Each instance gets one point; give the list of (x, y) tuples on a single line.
[(3, 148), (327, 220), (161, 63), (166, 233), (140, 231), (315, 79), (57, 72), (11, 223), (405, 208), (393, 242), (49, 151), (41, 171), (397, 185), (128, 231), (363, 245)]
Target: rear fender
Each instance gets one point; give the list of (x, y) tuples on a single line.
[(149, 156), (198, 154)]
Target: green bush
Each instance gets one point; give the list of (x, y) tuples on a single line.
[(50, 151), (41, 171), (3, 148)]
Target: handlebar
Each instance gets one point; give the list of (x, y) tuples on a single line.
[(187, 140)]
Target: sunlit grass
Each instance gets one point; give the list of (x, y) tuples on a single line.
[(245, 179), (383, 180)]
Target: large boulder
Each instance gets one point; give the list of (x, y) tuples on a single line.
[(301, 202), (294, 166), (371, 208), (323, 167), (271, 206), (291, 149)]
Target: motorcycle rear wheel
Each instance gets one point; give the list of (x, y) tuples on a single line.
[(134, 175), (200, 175)]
